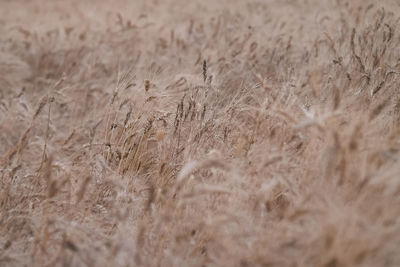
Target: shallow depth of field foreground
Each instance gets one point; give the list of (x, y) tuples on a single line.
[(200, 133)]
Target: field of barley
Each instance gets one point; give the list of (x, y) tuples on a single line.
[(200, 133)]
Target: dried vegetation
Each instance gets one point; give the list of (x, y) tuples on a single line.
[(200, 133)]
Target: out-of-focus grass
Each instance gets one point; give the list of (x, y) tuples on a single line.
[(201, 133)]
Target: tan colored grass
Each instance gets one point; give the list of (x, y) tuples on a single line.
[(199, 133)]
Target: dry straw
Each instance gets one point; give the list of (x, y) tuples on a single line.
[(243, 145)]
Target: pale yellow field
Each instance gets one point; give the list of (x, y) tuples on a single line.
[(200, 133)]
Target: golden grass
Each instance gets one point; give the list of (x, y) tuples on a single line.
[(199, 133)]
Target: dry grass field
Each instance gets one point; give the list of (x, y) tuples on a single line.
[(200, 133)]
